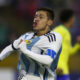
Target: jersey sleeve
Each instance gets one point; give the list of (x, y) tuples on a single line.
[(54, 47), (8, 49), (74, 49), (51, 48)]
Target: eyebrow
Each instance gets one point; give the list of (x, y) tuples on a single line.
[(40, 15)]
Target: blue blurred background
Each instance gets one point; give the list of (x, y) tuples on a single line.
[(16, 18)]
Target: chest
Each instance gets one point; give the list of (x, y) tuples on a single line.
[(32, 43)]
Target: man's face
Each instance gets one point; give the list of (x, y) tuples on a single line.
[(72, 21), (41, 21)]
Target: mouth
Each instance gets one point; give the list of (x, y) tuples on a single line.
[(35, 24)]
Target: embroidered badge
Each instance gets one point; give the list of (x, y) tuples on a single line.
[(28, 41)]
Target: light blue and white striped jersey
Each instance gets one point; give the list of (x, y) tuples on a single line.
[(49, 44)]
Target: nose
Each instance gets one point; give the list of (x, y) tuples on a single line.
[(36, 19)]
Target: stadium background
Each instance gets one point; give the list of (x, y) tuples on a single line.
[(16, 18)]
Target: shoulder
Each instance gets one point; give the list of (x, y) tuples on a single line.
[(58, 38), (28, 34), (61, 30), (58, 35), (25, 35), (53, 36), (50, 38)]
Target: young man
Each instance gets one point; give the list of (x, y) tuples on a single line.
[(67, 18), (40, 49)]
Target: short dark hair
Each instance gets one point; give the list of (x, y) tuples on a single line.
[(66, 14), (50, 12)]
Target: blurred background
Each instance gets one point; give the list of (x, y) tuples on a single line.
[(16, 18)]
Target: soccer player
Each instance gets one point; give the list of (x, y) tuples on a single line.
[(67, 19), (40, 49)]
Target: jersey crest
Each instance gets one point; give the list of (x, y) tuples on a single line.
[(28, 41)]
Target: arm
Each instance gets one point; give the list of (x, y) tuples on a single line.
[(44, 59), (74, 49), (7, 51)]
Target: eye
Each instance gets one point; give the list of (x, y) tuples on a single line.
[(41, 16)]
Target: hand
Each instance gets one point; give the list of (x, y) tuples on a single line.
[(59, 71), (20, 42), (22, 46)]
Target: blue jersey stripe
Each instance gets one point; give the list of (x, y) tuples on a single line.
[(25, 36), (25, 61), (51, 53), (29, 46), (55, 61), (36, 69), (18, 66), (33, 42)]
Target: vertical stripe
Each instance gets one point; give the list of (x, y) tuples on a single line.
[(25, 36), (51, 37), (36, 72), (22, 65), (29, 46), (18, 66), (45, 76), (32, 63), (54, 37), (55, 76), (32, 66), (55, 61), (25, 61)]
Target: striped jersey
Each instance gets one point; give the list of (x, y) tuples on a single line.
[(49, 44)]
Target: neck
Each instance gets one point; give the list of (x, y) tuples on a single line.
[(67, 25), (42, 32)]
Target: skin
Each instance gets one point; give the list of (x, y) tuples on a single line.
[(41, 23), (70, 22)]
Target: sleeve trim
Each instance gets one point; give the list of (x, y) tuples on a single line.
[(13, 47)]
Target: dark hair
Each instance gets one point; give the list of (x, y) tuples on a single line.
[(66, 14), (50, 12)]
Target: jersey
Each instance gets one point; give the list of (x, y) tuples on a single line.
[(67, 49), (49, 44)]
